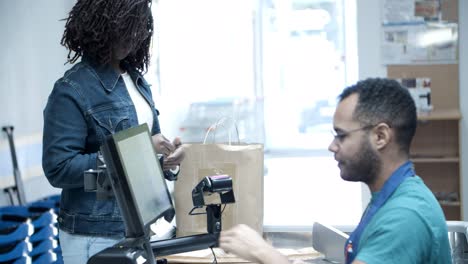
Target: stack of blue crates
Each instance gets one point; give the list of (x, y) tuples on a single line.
[(15, 232), (29, 234), (53, 203)]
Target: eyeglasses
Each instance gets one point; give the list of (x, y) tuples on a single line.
[(341, 135)]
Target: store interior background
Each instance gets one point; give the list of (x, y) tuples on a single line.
[(32, 59)]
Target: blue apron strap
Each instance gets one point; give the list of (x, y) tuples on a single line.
[(404, 171)]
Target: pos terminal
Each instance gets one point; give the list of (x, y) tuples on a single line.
[(138, 183)]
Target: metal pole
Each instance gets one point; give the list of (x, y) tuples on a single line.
[(16, 172)]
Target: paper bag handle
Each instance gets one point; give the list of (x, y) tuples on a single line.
[(221, 122)]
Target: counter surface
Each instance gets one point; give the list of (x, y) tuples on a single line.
[(296, 245)]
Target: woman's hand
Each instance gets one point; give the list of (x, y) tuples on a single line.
[(162, 145), (176, 157), (173, 152)]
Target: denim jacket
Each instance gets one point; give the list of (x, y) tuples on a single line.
[(88, 103)]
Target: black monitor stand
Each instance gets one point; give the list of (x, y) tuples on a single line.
[(128, 251), (194, 242), (136, 250)]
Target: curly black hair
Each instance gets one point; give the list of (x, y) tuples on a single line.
[(93, 27), (385, 100)]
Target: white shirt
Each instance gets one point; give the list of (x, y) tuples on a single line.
[(142, 107)]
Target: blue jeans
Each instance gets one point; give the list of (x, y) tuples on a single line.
[(77, 249)]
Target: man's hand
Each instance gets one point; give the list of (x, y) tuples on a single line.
[(244, 242)]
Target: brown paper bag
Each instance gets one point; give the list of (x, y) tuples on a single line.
[(243, 163)]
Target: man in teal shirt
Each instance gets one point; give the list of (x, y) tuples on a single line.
[(374, 124), (407, 229)]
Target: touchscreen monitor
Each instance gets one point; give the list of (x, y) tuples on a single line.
[(137, 179)]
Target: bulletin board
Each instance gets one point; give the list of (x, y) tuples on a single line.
[(419, 31)]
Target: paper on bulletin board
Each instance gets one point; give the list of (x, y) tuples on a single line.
[(410, 11), (413, 33), (420, 90), (399, 11), (420, 43)]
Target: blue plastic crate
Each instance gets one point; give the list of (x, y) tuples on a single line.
[(51, 202), (13, 251), (12, 231), (43, 246), (39, 217), (45, 232), (22, 260), (47, 257)]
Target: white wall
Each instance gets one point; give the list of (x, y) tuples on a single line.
[(463, 24), (368, 27), (32, 59)]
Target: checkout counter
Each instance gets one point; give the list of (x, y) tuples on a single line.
[(293, 242), (297, 243)]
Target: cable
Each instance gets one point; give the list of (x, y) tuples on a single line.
[(215, 261)]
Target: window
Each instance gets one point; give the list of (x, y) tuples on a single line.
[(305, 67), (276, 67)]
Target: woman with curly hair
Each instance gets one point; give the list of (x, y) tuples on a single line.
[(103, 93)]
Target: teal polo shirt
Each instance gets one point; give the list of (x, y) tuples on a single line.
[(409, 228)]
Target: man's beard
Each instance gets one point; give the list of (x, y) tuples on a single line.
[(364, 166)]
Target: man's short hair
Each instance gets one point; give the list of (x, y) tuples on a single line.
[(382, 100)]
